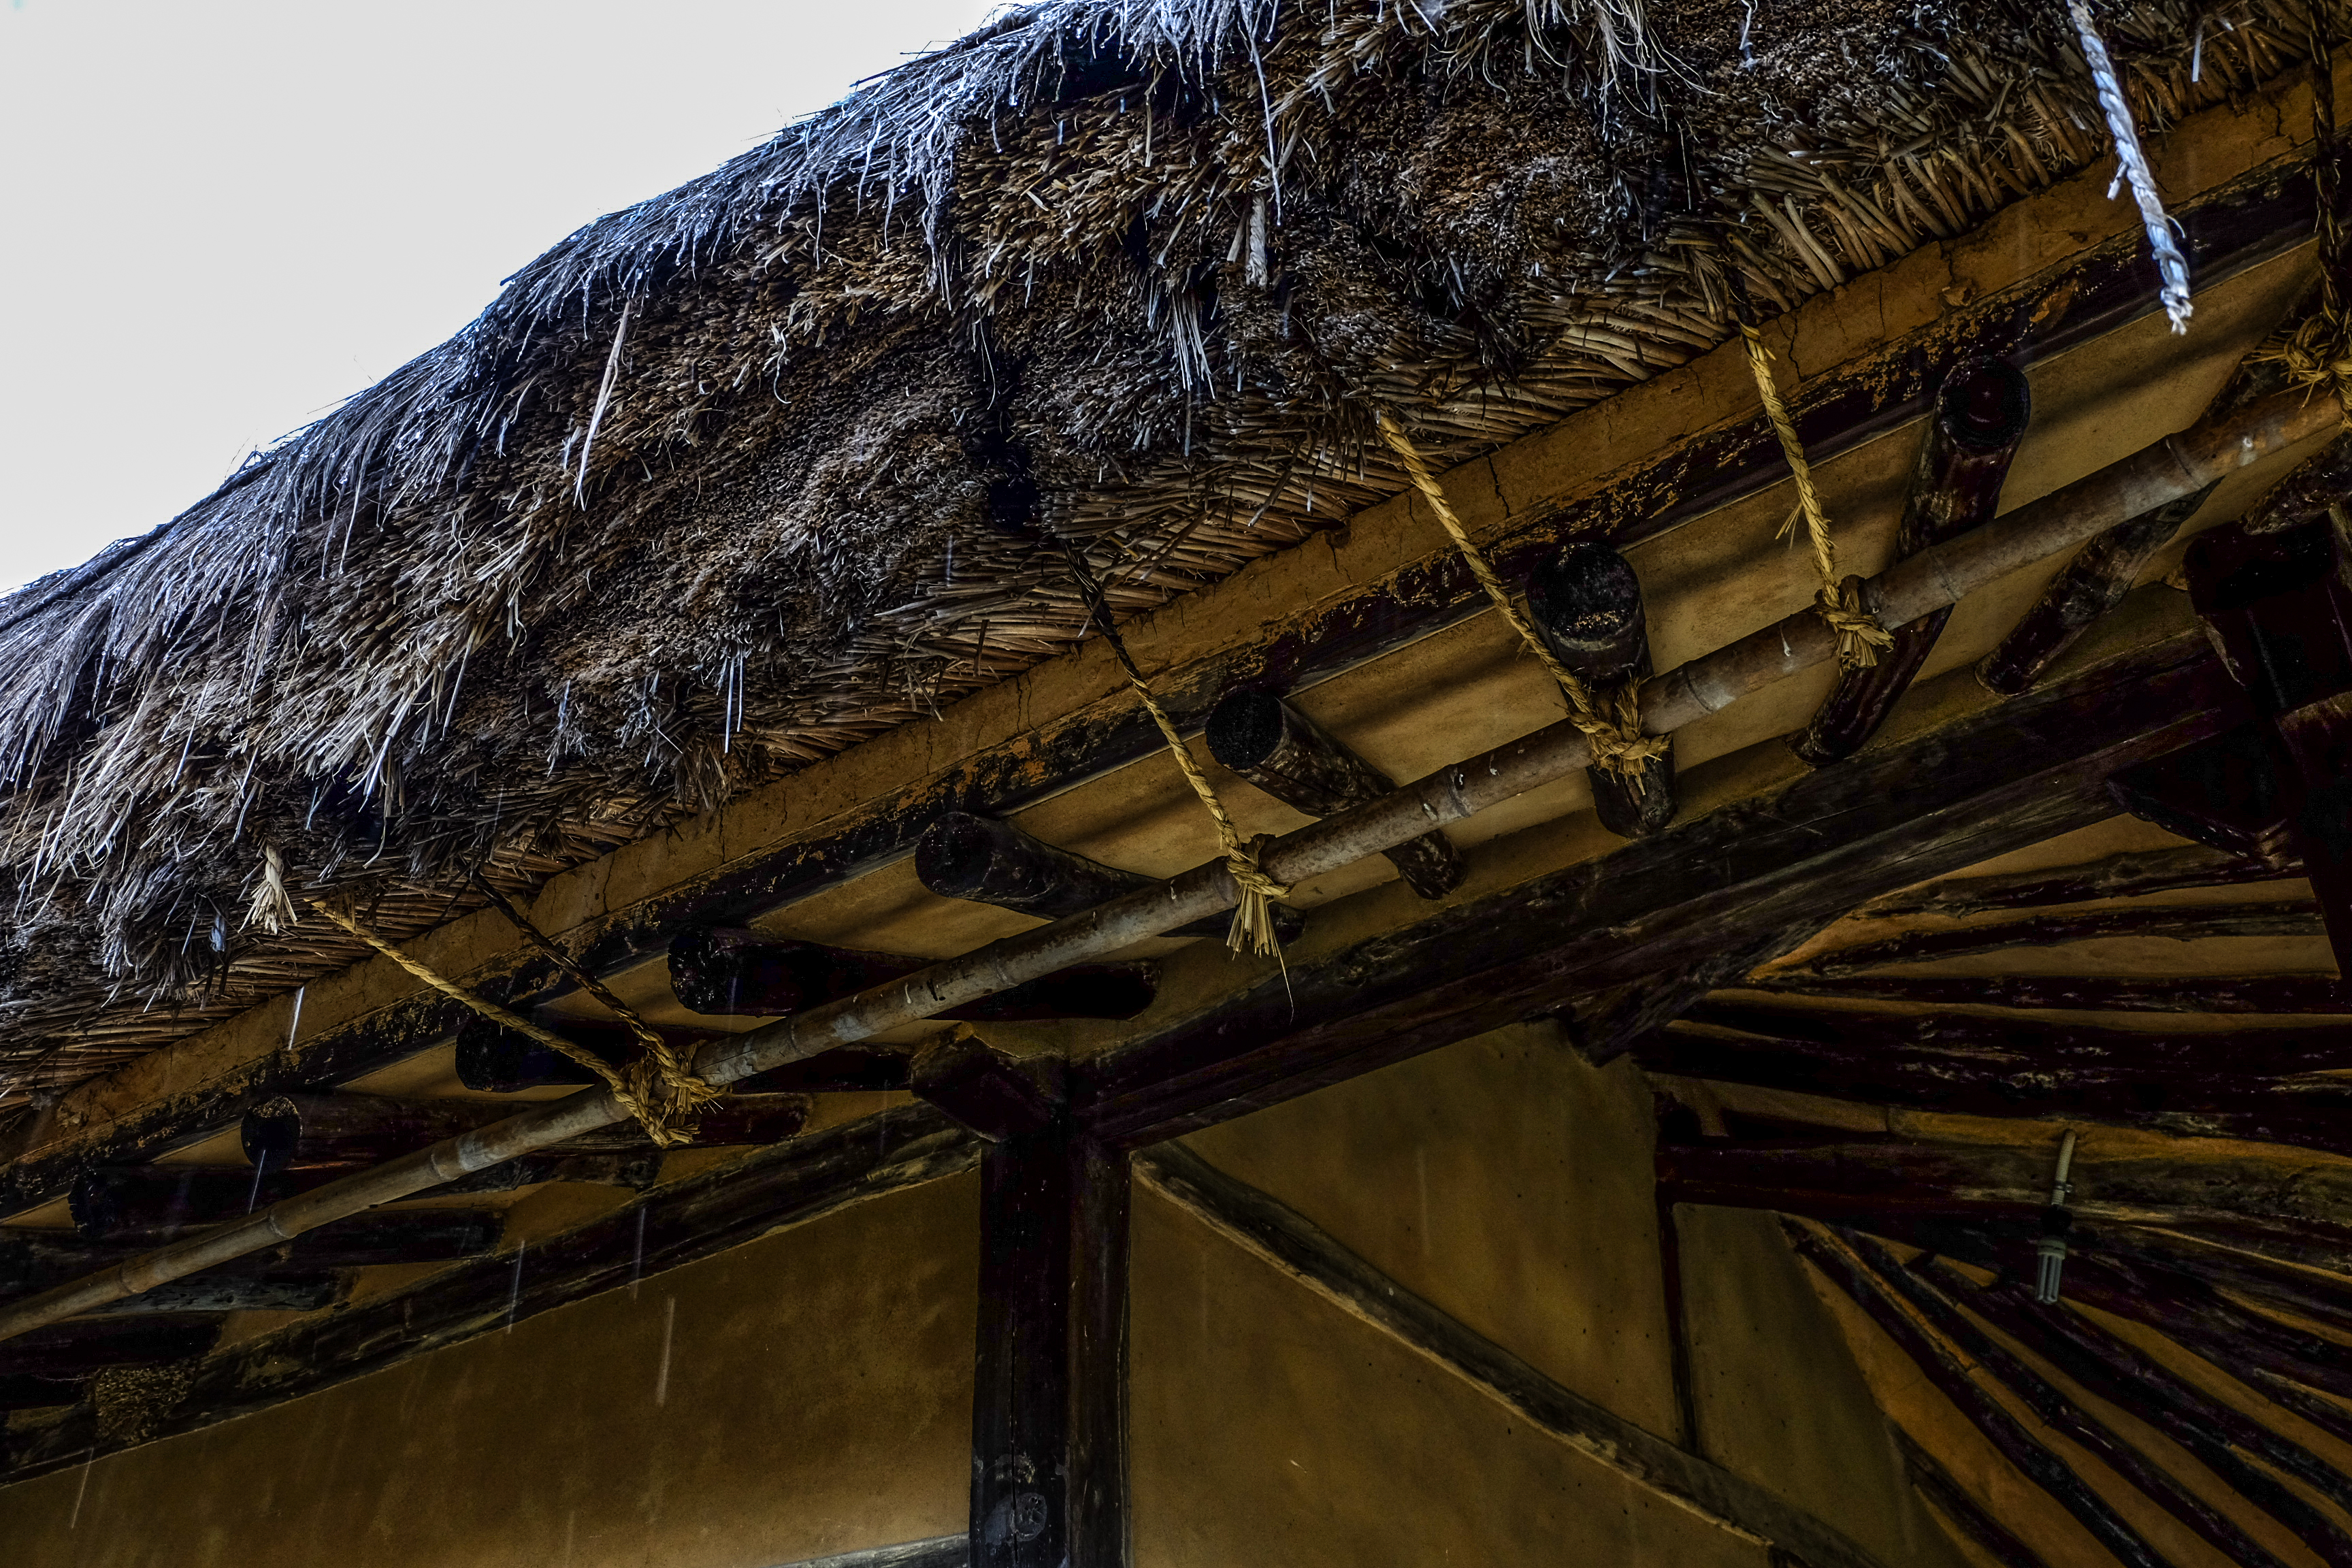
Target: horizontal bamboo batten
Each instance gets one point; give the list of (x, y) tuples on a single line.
[(1930, 580)]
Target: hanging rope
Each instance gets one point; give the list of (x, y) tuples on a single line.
[(2132, 167), (650, 1088), (1253, 928), (1611, 721), (1860, 636), (2318, 353)]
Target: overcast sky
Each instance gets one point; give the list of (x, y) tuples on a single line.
[(224, 217)]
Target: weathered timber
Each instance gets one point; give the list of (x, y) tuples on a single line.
[(1973, 427), (2244, 1055), (2321, 481), (1999, 1071), (1858, 1180), (2052, 1405), (2280, 611), (179, 1199), (34, 1260), (1604, 1024), (500, 1061), (233, 1292), (2226, 793), (1298, 762), (722, 970), (987, 1089), (1937, 577), (1982, 787), (343, 1131), (962, 856), (2222, 1439), (78, 1349), (2129, 875), (1948, 1497), (2295, 995), (350, 1131), (677, 1223), (1586, 604), (2236, 229), (25, 1390), (1295, 1244), (2175, 922), (1834, 1256), (1048, 1482), (2091, 585)]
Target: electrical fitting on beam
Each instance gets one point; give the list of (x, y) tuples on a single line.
[(2050, 1262)]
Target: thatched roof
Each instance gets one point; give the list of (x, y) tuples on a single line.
[(738, 477)]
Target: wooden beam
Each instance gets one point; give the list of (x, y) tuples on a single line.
[(1298, 762), (2254, 1192), (1296, 1246), (1586, 604), (2052, 1405), (2175, 922), (2284, 995), (1993, 782), (723, 971), (2226, 793), (1966, 1516), (147, 1199), (940, 1551), (1603, 1025), (2133, 874), (1979, 415), (676, 1223), (2098, 292), (2013, 1068), (24, 1391), (2086, 588), (351, 1131), (2280, 614), (962, 856), (2220, 1438), (997, 1095), (93, 1344), (1836, 1258), (1049, 1453), (2317, 484), (35, 1260)]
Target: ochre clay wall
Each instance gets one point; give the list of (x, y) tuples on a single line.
[(817, 1398), (1509, 1184)]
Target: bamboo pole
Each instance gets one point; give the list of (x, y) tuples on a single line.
[(1927, 582)]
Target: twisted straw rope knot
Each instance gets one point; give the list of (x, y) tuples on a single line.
[(1860, 636), (1253, 928), (664, 1096), (2318, 353), (1615, 735)]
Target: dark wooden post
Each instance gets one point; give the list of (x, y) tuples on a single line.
[(2280, 611), (1586, 604), (1980, 413), (1049, 1387)]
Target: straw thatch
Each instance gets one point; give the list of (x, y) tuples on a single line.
[(738, 477)]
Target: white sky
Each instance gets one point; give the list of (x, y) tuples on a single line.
[(220, 217)]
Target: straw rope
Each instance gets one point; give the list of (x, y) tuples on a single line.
[(2317, 353), (2132, 168), (1253, 928), (1840, 601), (1610, 720), (651, 1088)]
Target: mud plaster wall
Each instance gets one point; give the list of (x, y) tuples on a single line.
[(1510, 1184), (817, 1398), (1778, 1394)]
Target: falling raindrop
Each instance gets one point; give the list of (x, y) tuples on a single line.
[(514, 1291), (670, 1326), (79, 1492), (638, 1264)]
